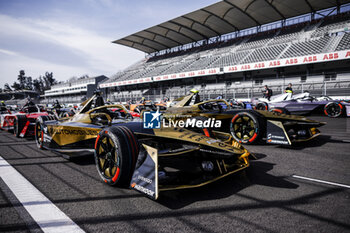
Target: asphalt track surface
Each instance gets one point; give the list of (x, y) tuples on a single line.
[(264, 198)]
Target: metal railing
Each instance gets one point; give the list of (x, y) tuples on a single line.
[(331, 88)]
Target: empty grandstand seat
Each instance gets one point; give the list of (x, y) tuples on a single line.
[(307, 47), (344, 43)]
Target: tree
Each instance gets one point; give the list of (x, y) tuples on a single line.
[(7, 87), (16, 86), (37, 86), (21, 79), (41, 82), (83, 77), (72, 79), (49, 80), (28, 83)]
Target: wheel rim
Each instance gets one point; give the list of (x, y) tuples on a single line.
[(39, 134), (244, 127), (107, 157), (261, 107), (333, 109)]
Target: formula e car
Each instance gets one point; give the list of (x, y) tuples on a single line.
[(299, 104), (4, 111), (23, 122), (245, 125), (148, 160)]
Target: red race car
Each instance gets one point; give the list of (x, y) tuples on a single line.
[(23, 122), (4, 111)]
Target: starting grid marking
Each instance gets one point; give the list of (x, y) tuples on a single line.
[(47, 215), (321, 181)]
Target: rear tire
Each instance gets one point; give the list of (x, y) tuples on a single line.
[(262, 106), (246, 128), (19, 124), (116, 151), (333, 109)]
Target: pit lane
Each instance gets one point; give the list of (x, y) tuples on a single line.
[(264, 198)]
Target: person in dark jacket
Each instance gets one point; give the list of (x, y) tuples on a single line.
[(267, 93)]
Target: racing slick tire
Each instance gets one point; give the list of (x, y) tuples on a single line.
[(333, 109), (116, 151), (262, 106), (246, 127), (64, 115), (39, 129), (18, 124), (280, 111), (242, 105)]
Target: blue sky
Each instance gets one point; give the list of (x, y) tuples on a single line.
[(73, 38)]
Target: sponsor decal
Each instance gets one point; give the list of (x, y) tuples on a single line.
[(277, 142), (270, 136), (151, 120), (147, 180), (142, 189), (72, 131)]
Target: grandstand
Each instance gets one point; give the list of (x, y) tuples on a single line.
[(229, 49), (19, 97), (73, 91)]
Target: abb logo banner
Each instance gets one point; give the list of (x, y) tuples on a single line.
[(187, 74), (339, 55), (128, 82)]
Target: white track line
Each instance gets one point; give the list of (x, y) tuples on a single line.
[(321, 181), (48, 216)]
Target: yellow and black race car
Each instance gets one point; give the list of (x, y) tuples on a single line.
[(148, 160), (245, 125)]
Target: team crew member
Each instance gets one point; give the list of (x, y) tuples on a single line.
[(289, 89), (267, 93), (3, 106), (57, 105), (143, 100)]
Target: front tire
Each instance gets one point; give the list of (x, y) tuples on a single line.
[(116, 151), (39, 134), (246, 128)]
